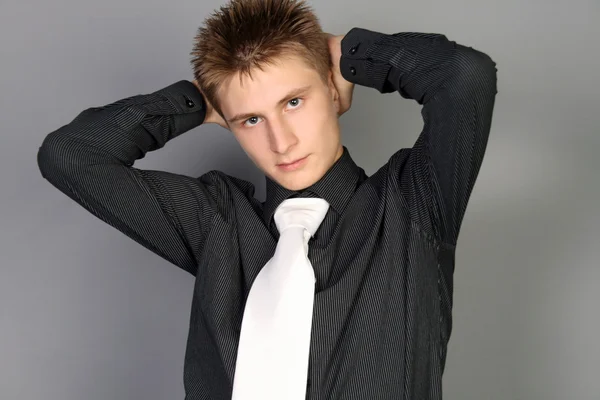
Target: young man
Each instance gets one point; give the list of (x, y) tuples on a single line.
[(376, 322)]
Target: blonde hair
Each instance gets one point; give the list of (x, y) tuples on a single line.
[(248, 34)]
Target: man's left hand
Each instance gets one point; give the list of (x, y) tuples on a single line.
[(345, 89)]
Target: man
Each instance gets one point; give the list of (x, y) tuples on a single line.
[(383, 255)]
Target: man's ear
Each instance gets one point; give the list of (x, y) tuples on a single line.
[(335, 95)]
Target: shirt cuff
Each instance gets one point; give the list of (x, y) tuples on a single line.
[(185, 96), (368, 59), (189, 103), (357, 65)]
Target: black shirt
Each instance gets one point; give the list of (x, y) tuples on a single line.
[(383, 256)]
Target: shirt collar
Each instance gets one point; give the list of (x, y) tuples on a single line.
[(337, 187)]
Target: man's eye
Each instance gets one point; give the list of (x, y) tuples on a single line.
[(295, 102), (255, 120), (251, 121)]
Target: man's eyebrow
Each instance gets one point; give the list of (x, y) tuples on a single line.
[(290, 95)]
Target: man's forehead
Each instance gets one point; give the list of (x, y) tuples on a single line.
[(282, 74)]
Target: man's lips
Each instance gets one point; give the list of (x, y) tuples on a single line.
[(290, 163), (293, 165)]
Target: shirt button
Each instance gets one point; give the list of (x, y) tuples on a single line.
[(353, 49), (353, 70), (188, 102)]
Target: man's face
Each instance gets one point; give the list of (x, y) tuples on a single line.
[(285, 113)]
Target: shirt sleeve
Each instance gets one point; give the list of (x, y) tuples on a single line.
[(91, 160), (456, 85)]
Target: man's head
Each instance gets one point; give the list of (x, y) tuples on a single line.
[(265, 67)]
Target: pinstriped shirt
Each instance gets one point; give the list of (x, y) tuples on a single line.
[(383, 256)]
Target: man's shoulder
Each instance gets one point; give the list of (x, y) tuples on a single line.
[(227, 184), (394, 165)]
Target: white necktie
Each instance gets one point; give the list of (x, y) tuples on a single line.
[(272, 358)]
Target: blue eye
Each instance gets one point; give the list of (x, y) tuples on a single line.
[(253, 120), (295, 102)]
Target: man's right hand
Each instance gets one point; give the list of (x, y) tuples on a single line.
[(212, 117)]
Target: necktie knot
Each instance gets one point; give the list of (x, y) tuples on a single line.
[(307, 213)]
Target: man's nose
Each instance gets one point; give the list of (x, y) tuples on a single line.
[(281, 136)]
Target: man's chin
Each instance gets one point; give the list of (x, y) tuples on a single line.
[(296, 181)]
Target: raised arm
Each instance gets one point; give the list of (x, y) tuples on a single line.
[(457, 87), (91, 161)]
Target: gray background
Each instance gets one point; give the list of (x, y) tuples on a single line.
[(86, 313)]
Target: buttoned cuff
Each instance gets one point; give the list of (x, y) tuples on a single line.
[(189, 103), (185, 96), (356, 65)]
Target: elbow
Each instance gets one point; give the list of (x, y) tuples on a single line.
[(47, 155), (476, 69), (53, 156)]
